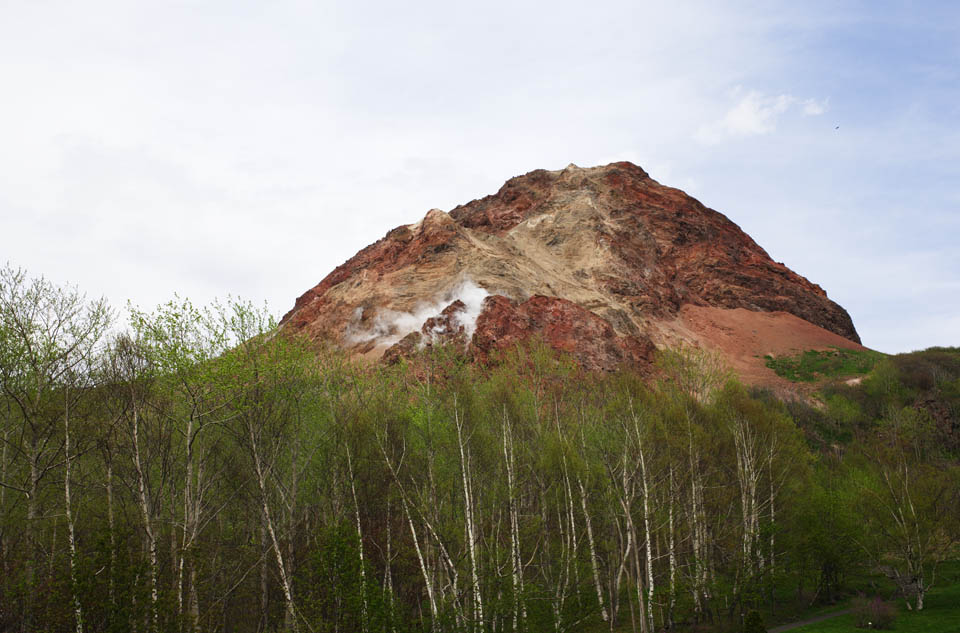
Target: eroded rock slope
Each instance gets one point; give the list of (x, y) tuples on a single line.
[(604, 263)]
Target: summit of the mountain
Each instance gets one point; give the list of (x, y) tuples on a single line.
[(604, 263)]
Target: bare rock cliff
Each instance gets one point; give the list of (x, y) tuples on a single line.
[(604, 263)]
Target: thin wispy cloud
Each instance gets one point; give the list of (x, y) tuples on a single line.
[(814, 107), (756, 114)]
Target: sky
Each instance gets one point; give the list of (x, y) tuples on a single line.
[(247, 148)]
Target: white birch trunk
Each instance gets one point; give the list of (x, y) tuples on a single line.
[(696, 535), (470, 525), (748, 479), (285, 580), (387, 573), (647, 540), (773, 514), (516, 562), (595, 568), (111, 525), (672, 553), (3, 499), (626, 505), (187, 515), (146, 513), (71, 536), (363, 571), (428, 581)]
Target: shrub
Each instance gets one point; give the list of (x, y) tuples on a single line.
[(754, 623), (873, 613)]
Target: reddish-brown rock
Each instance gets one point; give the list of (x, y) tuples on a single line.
[(446, 325), (563, 325), (599, 262)]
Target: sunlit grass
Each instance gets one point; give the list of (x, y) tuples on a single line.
[(813, 365)]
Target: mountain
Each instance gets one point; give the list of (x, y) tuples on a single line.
[(604, 263)]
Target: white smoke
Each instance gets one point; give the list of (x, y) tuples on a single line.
[(389, 326)]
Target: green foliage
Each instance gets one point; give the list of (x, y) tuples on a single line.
[(929, 369), (257, 483), (334, 597), (753, 623), (813, 365), (824, 532)]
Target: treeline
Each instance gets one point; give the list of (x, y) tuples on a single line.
[(197, 470)]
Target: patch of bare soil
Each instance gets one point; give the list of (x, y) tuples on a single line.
[(743, 337)]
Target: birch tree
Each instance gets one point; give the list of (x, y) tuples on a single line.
[(183, 343), (130, 377), (48, 337), (910, 498), (266, 371)]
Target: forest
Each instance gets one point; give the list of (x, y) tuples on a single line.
[(198, 469)]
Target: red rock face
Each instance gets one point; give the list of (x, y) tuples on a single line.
[(563, 325), (671, 249), (447, 324), (598, 262)]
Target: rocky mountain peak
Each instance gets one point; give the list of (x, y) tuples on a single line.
[(601, 262)]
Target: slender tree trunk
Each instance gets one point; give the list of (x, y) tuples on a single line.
[(285, 581), (632, 547), (112, 527), (3, 504), (264, 575), (363, 572), (387, 573), (187, 517), (71, 534), (516, 562), (695, 586), (595, 568), (194, 610), (647, 539), (428, 581), (421, 559), (632, 540), (748, 478), (32, 559), (672, 553), (291, 515), (471, 528), (147, 513), (773, 514), (571, 516), (701, 563)]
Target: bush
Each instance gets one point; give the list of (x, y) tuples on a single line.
[(873, 613), (754, 623)]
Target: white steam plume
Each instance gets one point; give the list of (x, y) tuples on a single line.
[(389, 326)]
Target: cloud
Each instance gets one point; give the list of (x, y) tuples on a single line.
[(141, 159), (755, 114), (812, 107)]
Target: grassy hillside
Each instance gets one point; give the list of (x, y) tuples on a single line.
[(941, 614), (814, 365)]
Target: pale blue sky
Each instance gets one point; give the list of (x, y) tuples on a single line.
[(248, 148)]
